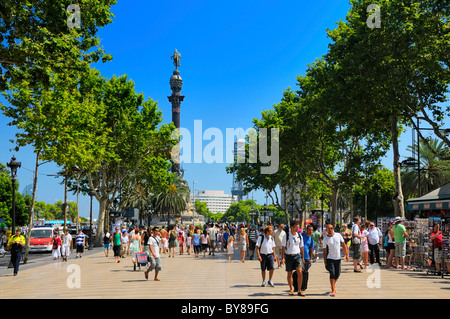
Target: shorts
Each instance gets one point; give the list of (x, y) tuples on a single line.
[(357, 251), (204, 247), (106, 246), (65, 250), (212, 244), (155, 263), (293, 262), (267, 262), (278, 251), (251, 245), (197, 249), (80, 249), (390, 246), (437, 255), (400, 250), (316, 248), (334, 268)]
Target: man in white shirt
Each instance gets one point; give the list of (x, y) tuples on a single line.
[(212, 233), (332, 243), (279, 235), (66, 245), (292, 255), (265, 250), (155, 258), (374, 237)]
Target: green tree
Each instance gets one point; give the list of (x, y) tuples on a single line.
[(433, 172), (173, 199)]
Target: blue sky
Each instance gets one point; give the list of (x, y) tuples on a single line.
[(237, 58)]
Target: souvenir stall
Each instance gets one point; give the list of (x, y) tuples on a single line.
[(426, 211)]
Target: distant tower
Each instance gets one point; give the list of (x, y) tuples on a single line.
[(239, 152), (176, 83)]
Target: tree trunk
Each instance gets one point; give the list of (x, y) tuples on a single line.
[(333, 199), (31, 211), (398, 196)]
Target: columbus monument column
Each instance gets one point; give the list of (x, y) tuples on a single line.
[(176, 83)]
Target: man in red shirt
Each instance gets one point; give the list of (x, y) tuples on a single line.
[(436, 236)]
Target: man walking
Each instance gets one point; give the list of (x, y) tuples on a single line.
[(279, 235), (81, 242), (252, 238), (308, 248), (292, 255), (16, 243), (66, 245), (317, 238), (155, 257), (332, 255), (374, 237), (356, 243), (265, 250), (400, 235)]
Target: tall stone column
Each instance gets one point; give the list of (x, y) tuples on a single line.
[(176, 84)]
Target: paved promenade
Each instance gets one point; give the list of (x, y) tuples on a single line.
[(185, 277)]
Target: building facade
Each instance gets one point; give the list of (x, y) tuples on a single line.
[(216, 201)]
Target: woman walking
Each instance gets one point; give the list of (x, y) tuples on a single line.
[(204, 239), (181, 240), (117, 245), (172, 240), (390, 250), (196, 242), (364, 247), (106, 242), (144, 240), (243, 243), (56, 252), (135, 247), (230, 248)]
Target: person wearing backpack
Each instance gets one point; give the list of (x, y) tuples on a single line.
[(292, 254), (15, 244), (265, 250)]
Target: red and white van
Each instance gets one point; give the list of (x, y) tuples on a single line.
[(41, 239)]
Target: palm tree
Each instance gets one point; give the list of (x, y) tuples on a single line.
[(433, 171), (138, 197), (173, 199)]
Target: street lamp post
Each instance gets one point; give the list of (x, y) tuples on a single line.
[(193, 202), (13, 165), (376, 187), (322, 199), (91, 194)]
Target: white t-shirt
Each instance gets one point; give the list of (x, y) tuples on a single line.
[(267, 246), (67, 239), (154, 243), (334, 246), (294, 244)]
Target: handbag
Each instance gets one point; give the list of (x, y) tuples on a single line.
[(356, 240)]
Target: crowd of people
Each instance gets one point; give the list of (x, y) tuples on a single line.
[(274, 247), (285, 246)]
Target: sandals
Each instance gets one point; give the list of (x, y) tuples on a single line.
[(291, 293), (301, 293)]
